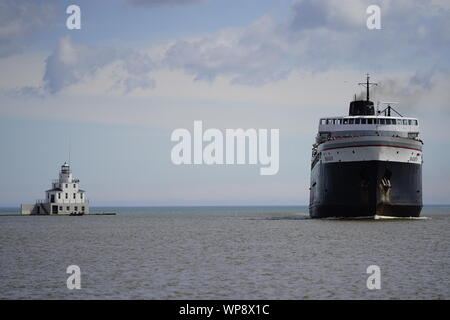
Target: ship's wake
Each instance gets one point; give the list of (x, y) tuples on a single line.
[(399, 218), (376, 217)]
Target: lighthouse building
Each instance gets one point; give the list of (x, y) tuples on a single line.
[(65, 197)]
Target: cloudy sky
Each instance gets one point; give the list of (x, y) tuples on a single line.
[(113, 92)]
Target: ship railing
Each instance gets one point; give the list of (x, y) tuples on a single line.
[(332, 138), (39, 201)]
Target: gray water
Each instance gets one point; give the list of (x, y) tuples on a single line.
[(224, 253)]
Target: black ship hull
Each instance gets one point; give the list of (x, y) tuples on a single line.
[(365, 189)]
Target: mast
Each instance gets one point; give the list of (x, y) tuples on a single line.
[(367, 85), (363, 107)]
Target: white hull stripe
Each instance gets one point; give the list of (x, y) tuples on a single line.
[(371, 153)]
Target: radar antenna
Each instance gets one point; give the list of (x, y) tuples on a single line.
[(368, 85), (388, 109)]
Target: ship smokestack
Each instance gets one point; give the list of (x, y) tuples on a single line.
[(363, 107)]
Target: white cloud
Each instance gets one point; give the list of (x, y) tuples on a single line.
[(71, 64), (310, 14), (24, 69), (318, 36), (250, 55), (159, 3), (19, 20)]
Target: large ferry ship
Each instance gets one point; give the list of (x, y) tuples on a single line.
[(367, 164)]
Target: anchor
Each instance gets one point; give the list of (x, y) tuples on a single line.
[(386, 184)]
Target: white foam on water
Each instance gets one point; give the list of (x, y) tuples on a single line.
[(376, 217)]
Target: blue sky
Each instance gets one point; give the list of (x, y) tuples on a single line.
[(137, 70)]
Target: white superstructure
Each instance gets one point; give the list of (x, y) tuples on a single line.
[(367, 138)]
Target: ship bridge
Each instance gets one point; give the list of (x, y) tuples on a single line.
[(335, 127)]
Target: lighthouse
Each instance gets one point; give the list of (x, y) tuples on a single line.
[(64, 198)]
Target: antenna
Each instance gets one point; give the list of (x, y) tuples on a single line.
[(69, 151), (388, 109), (367, 85)]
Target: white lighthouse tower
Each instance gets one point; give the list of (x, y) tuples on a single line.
[(64, 198)]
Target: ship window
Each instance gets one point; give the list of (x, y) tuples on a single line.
[(59, 195), (345, 121), (74, 185), (363, 121), (338, 121), (81, 195), (357, 121), (76, 208), (60, 208), (74, 195), (370, 121), (416, 123), (382, 121), (410, 122), (67, 185), (351, 121), (67, 208), (388, 121), (67, 196), (322, 121), (82, 208)]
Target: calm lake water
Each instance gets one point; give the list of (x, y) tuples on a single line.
[(224, 253)]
